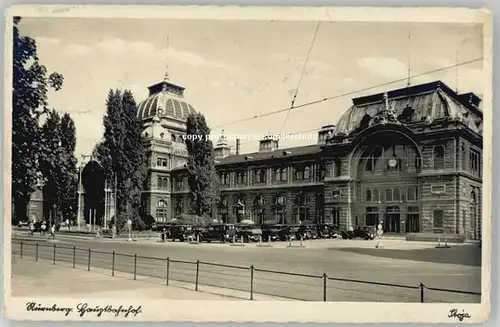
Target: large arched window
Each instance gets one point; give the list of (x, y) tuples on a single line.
[(279, 209), (161, 210), (301, 208), (239, 208), (223, 210), (258, 209), (439, 157)]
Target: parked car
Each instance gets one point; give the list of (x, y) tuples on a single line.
[(365, 232), (274, 232), (308, 232), (218, 232), (248, 232), (328, 231), (183, 232)]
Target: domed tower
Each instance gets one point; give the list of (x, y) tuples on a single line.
[(164, 114)]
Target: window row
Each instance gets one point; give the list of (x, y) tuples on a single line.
[(260, 175), (392, 194)]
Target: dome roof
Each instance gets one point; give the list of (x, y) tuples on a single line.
[(165, 100), (426, 102)]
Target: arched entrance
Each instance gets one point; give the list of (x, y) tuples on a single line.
[(93, 182), (385, 167)]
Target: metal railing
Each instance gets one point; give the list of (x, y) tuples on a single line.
[(251, 280)]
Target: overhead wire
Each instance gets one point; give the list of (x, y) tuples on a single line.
[(301, 75), (307, 104)]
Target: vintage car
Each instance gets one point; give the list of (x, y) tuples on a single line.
[(248, 232), (218, 232), (328, 231), (365, 232), (184, 232), (308, 232), (274, 232)]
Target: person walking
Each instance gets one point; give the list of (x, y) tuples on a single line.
[(32, 228), (52, 232), (43, 228), (68, 225)]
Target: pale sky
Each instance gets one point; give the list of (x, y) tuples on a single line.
[(237, 69)]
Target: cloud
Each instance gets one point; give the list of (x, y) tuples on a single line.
[(75, 50), (119, 46), (384, 66)]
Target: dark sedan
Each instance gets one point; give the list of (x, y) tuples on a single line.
[(365, 233)]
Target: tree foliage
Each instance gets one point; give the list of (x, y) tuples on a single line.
[(30, 85), (201, 167), (122, 154), (57, 164)]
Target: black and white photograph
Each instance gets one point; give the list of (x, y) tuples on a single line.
[(297, 166)]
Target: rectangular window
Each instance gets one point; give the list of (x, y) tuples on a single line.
[(161, 162), (368, 195), (411, 194), (388, 195), (375, 195), (162, 183), (438, 189), (179, 183), (438, 218), (336, 216)]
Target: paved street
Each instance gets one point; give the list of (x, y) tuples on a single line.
[(453, 268)]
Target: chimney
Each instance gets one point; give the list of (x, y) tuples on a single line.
[(237, 146)]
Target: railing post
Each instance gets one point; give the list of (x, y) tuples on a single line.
[(113, 265), (21, 249), (36, 252), (54, 256), (88, 267), (168, 269), (74, 256), (325, 278), (135, 266), (197, 274), (422, 293), (251, 282)]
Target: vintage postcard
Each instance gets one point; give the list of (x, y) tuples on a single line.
[(247, 164)]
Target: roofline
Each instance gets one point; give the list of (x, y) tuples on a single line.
[(420, 89)]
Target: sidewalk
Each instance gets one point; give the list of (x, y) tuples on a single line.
[(30, 278), (390, 243)]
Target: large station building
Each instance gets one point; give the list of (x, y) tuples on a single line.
[(410, 158)]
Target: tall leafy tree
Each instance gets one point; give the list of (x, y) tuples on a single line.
[(52, 163), (122, 154), (70, 178), (136, 166), (201, 167), (30, 85)]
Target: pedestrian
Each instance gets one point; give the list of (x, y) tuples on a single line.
[(43, 228), (68, 224), (163, 235), (32, 228), (52, 232)]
